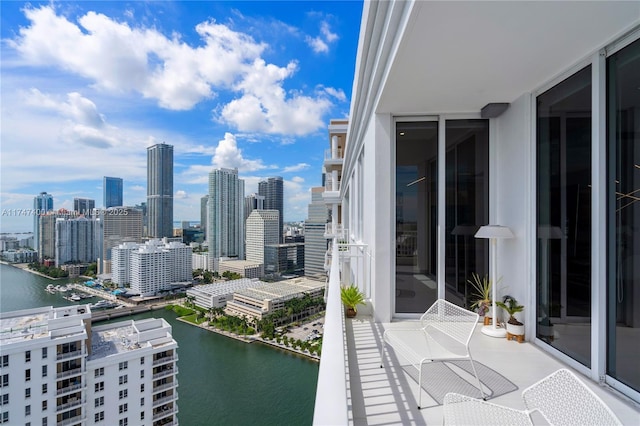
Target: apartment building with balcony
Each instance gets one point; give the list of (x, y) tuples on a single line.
[(521, 114), (56, 369)]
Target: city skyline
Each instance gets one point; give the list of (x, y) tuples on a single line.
[(247, 85)]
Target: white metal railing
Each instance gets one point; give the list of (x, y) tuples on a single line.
[(70, 404), (67, 355), (164, 413), (164, 373), (328, 184), (328, 155), (336, 231), (165, 386), (71, 420), (331, 406), (68, 389), (163, 400), (69, 373), (164, 360)]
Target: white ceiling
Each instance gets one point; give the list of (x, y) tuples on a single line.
[(459, 56)]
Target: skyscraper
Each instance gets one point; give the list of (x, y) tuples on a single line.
[(262, 229), (252, 202), (84, 206), (225, 211), (112, 192), (203, 214), (117, 226), (272, 191), (315, 242), (42, 204), (160, 190), (75, 240)]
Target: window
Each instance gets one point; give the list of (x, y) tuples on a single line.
[(142, 387), (141, 415), (44, 353), (99, 372), (27, 374), (27, 393), (99, 387), (123, 365), (5, 380), (44, 405), (44, 421), (122, 379), (44, 371), (141, 402), (98, 417), (27, 356), (44, 388), (5, 361), (98, 402), (124, 422), (123, 408), (4, 418), (141, 360), (4, 399), (142, 374), (27, 410), (123, 394)]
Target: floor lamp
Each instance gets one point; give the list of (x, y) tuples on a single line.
[(493, 233)]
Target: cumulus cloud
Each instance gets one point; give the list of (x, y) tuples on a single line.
[(228, 155), (320, 43), (181, 195), (296, 168), (119, 58)]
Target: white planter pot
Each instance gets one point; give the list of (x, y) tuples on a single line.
[(516, 330)]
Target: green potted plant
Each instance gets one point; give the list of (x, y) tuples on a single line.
[(514, 327), (351, 297), (482, 295)]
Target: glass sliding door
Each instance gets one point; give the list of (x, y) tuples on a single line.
[(467, 206), (416, 215), (623, 219), (564, 216)]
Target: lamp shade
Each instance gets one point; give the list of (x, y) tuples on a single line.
[(494, 231)]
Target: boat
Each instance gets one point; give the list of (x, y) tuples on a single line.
[(74, 297), (102, 304), (51, 289)]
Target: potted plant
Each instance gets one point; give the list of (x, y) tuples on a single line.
[(514, 327), (482, 295), (351, 297)]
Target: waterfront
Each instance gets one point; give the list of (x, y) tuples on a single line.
[(222, 381)]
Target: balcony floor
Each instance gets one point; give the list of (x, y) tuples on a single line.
[(389, 396)]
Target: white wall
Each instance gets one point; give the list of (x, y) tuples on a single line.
[(512, 183)]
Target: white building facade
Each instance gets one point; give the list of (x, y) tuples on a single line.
[(262, 229), (527, 119), (56, 370)]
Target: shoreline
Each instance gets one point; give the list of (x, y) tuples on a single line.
[(252, 339), (25, 267)]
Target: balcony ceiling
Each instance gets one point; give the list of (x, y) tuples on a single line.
[(459, 56)]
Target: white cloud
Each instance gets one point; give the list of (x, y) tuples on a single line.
[(119, 58), (298, 167), (320, 43), (181, 195), (228, 155)]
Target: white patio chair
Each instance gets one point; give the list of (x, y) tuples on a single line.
[(462, 410), (443, 334), (563, 399)]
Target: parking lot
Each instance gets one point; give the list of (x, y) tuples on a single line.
[(303, 331)]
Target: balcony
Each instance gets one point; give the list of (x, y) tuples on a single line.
[(332, 160), (337, 231), (68, 389), (165, 386), (353, 389), (72, 420), (164, 400), (165, 373), (164, 360), (70, 404), (331, 194), (69, 373), (69, 355), (164, 413)]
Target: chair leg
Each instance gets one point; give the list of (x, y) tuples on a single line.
[(420, 387), (478, 379)]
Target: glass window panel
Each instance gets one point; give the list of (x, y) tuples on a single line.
[(623, 194), (467, 206), (564, 216), (416, 215)]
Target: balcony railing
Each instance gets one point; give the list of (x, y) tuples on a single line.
[(71, 420), (67, 355), (165, 413), (69, 373), (328, 184), (331, 393), (68, 389), (165, 386), (164, 360), (337, 231), (165, 373), (164, 400), (70, 404), (338, 156)]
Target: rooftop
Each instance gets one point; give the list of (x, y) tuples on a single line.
[(282, 288), (126, 336), (42, 322)]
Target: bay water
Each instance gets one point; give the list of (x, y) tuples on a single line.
[(221, 381)]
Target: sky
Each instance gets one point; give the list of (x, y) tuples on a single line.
[(86, 87)]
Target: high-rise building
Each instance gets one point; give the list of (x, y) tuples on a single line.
[(84, 206), (315, 241), (75, 241), (203, 214), (118, 225), (112, 192), (262, 229), (42, 204), (59, 370), (225, 215), (273, 193), (160, 190), (253, 202)]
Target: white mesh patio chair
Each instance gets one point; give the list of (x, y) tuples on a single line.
[(443, 334), (462, 410), (563, 399)]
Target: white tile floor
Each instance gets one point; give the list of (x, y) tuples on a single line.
[(389, 395)]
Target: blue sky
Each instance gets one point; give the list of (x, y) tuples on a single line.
[(86, 87)]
